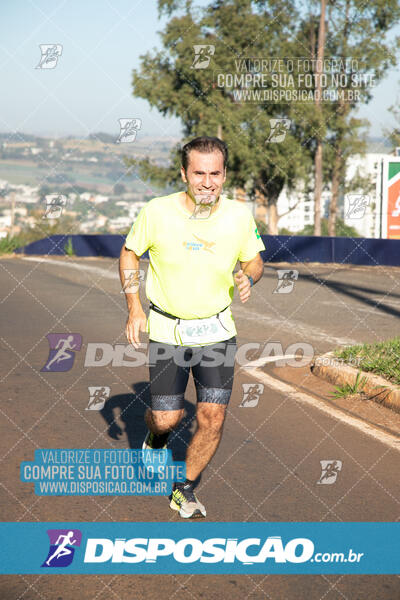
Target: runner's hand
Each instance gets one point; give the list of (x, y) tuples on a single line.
[(136, 322), (243, 285)]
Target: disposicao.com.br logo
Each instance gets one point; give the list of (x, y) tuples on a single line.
[(247, 551), (211, 548), (61, 551)]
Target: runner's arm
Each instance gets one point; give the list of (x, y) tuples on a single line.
[(253, 268), (136, 322)]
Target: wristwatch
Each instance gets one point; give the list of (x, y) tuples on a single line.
[(250, 279)]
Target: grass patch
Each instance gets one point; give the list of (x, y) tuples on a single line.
[(382, 358), (69, 248), (348, 390), (9, 244)]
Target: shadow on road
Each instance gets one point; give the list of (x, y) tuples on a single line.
[(130, 409), (353, 291)]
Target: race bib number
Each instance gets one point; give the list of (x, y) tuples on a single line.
[(201, 331)]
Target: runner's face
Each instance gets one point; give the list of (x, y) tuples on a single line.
[(205, 173)]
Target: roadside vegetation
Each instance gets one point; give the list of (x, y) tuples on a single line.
[(42, 229), (342, 391), (381, 358)]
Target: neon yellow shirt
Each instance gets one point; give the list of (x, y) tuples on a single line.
[(192, 260)]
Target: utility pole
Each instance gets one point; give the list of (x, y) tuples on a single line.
[(318, 108), (12, 194)]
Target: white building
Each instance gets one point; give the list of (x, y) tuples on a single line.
[(134, 209), (5, 224), (363, 221), (25, 193), (119, 223)]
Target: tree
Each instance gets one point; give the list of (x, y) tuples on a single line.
[(168, 81), (394, 134), (356, 31)]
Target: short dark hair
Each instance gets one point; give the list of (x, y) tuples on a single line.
[(204, 144)]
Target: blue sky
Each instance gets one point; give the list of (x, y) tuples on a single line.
[(90, 89)]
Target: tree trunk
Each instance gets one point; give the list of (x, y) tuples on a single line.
[(335, 193), (272, 219), (318, 153), (318, 188), (338, 165)]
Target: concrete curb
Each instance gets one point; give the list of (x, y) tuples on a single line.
[(332, 369)]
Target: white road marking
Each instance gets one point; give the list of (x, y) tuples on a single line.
[(388, 439), (252, 367), (380, 302), (308, 331), (78, 266)]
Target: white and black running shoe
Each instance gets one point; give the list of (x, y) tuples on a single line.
[(186, 502)]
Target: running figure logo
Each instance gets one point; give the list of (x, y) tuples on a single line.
[(62, 351), (132, 279), (279, 129), (61, 551), (286, 280), (128, 130), (356, 205), (251, 394), (97, 397), (54, 206), (50, 55), (202, 56), (330, 470)]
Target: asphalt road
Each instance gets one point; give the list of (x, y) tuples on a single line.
[(268, 463)]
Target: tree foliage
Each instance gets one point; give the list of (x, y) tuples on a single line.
[(239, 29)]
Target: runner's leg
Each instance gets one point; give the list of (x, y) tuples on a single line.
[(213, 378), (168, 381)]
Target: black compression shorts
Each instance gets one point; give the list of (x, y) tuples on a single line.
[(212, 368)]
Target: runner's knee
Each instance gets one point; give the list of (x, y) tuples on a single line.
[(165, 420), (210, 417)]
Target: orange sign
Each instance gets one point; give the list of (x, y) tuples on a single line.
[(391, 199)]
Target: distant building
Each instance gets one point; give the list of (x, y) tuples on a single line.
[(134, 209), (5, 225), (302, 205), (367, 166), (297, 209), (119, 223)]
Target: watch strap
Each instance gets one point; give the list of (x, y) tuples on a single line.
[(250, 279)]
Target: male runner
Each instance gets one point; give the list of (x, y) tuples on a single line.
[(195, 239)]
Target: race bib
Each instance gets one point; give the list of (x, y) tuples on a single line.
[(201, 331)]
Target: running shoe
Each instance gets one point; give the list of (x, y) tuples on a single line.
[(186, 502), (152, 441)]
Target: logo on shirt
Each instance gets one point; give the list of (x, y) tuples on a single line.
[(199, 245), (257, 234)]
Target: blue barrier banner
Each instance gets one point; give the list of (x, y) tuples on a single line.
[(199, 547), (278, 248)]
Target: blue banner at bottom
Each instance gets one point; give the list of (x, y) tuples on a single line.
[(199, 547)]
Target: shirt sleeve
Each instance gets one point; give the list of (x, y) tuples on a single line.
[(139, 239), (252, 242)]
